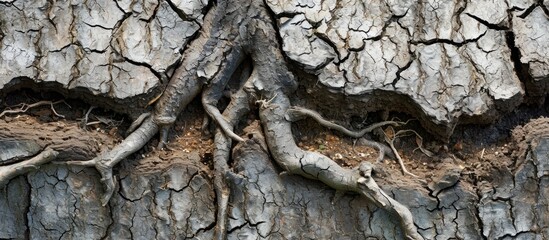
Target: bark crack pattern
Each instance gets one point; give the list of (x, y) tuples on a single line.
[(235, 32)]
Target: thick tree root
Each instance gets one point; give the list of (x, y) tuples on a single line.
[(105, 161), (10, 171), (238, 107), (317, 166)]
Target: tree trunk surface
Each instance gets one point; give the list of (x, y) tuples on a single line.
[(275, 119)]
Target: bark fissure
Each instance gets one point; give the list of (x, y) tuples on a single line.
[(235, 33)]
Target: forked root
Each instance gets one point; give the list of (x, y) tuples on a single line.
[(107, 160), (25, 107), (390, 137), (317, 166), (102, 165)]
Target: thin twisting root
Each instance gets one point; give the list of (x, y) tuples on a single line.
[(390, 139), (296, 113), (25, 107)]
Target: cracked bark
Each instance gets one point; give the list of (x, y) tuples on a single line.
[(443, 62)]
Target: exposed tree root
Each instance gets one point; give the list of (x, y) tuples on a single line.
[(383, 150), (105, 161), (238, 107), (238, 30), (137, 122), (390, 139), (371, 190), (16, 169), (296, 113), (25, 107), (317, 166), (86, 118)]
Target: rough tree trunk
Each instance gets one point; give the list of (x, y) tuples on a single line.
[(256, 69)]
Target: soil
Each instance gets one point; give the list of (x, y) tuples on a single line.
[(481, 151)]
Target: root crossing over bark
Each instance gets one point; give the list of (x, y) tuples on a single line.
[(370, 189), (317, 166), (10, 171), (105, 161), (238, 107)]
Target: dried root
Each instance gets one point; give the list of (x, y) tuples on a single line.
[(317, 166), (137, 122), (10, 171), (107, 160), (296, 113), (25, 107), (390, 135)]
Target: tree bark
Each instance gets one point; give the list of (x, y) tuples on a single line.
[(257, 68)]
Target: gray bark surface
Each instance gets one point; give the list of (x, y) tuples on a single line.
[(442, 62)]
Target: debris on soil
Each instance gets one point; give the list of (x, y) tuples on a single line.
[(472, 158)]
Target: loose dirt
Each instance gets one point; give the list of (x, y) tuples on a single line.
[(477, 150)]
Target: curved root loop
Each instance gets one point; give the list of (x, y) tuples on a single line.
[(317, 166)]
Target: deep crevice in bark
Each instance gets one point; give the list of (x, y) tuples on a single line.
[(522, 70)]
